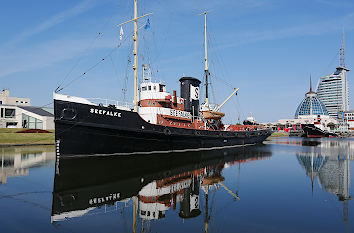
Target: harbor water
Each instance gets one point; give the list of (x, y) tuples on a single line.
[(285, 185)]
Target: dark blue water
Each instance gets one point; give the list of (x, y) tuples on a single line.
[(287, 185)]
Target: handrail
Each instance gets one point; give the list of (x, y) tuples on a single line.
[(107, 102)]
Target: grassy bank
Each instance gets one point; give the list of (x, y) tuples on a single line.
[(280, 134), (10, 137)]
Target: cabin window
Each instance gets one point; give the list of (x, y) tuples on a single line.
[(154, 88), (143, 88), (161, 88), (149, 88)]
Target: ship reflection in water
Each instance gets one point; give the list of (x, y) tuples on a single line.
[(287, 185), (148, 185), (329, 163)]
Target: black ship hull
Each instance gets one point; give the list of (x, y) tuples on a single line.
[(311, 131), (83, 129)]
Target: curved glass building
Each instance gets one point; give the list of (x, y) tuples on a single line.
[(311, 105)]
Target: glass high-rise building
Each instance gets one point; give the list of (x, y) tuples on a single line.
[(333, 91)]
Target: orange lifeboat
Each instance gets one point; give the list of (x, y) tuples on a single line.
[(212, 115)]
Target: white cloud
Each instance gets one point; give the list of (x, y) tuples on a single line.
[(46, 54), (54, 20)]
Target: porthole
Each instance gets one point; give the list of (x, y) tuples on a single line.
[(171, 123), (154, 103), (189, 125)]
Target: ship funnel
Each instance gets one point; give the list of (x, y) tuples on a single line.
[(190, 93)]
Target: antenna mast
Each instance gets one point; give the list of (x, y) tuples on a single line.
[(341, 51)]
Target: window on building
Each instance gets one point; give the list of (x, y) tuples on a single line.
[(11, 124), (10, 113), (31, 122), (2, 113), (0, 101)]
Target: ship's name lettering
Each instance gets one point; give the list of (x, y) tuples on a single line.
[(179, 113), (105, 112), (100, 200)]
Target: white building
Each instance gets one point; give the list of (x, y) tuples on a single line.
[(333, 91), (348, 117), (6, 99), (18, 113), (25, 117)]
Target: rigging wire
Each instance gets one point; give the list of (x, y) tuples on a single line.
[(59, 88), (330, 64), (99, 35), (216, 75)]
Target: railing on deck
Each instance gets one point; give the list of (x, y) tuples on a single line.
[(108, 102)]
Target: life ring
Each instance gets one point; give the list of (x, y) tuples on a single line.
[(68, 114)]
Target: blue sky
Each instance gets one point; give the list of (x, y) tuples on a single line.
[(267, 48)]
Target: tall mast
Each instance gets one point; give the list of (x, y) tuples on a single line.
[(135, 52), (206, 69)]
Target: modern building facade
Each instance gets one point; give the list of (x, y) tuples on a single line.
[(17, 113), (27, 117), (5, 98), (333, 91)]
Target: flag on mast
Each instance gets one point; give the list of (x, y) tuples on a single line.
[(121, 33), (147, 25)]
